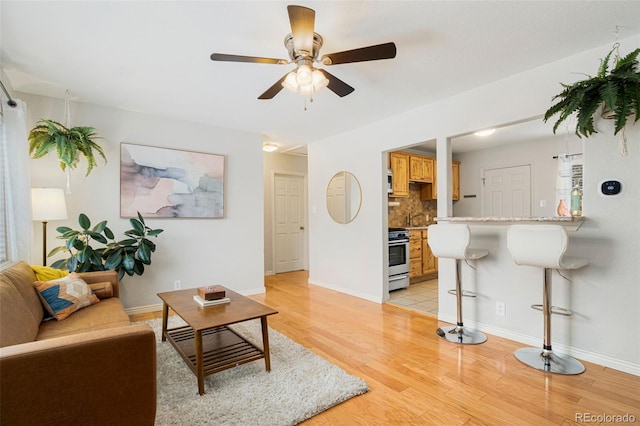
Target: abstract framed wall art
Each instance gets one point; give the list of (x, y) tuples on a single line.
[(163, 182)]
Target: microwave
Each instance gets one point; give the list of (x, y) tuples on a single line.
[(389, 181)]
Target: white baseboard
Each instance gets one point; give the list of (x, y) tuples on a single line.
[(144, 309), (157, 308), (344, 290), (596, 358)]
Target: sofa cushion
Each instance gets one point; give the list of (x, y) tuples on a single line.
[(106, 314), (64, 296), (22, 277), (18, 324)]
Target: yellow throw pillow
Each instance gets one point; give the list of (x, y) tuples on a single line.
[(47, 273)]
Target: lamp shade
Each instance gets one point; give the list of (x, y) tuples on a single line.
[(48, 204)]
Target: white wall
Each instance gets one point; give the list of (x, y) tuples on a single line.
[(226, 251), (606, 294), (276, 163)]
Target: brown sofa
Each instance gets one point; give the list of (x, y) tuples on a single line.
[(94, 367)]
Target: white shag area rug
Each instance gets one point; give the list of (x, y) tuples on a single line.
[(300, 385)]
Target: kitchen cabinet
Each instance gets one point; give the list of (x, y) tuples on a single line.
[(420, 169), (415, 253), (421, 258), (455, 173), (430, 192), (429, 261), (400, 173)]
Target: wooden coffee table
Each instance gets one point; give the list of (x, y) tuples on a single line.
[(206, 343)]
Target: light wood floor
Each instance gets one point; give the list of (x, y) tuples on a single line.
[(418, 379)]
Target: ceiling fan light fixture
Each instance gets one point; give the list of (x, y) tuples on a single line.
[(319, 80), (290, 83), (303, 75)]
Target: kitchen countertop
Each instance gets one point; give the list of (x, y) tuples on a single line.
[(418, 228), (572, 223)]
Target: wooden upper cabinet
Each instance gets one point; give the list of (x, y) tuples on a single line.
[(430, 192), (420, 169), (400, 171), (455, 173)]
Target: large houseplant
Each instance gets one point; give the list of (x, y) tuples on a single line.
[(68, 143), (125, 256), (615, 93)]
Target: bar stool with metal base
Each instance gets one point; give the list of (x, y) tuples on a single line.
[(544, 246), (452, 241)]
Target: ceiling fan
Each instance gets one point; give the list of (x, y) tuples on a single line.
[(303, 45)]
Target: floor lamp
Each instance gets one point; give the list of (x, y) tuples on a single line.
[(47, 204)]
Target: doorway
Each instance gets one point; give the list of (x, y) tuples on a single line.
[(289, 223), (506, 192)]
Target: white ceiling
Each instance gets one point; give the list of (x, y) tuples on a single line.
[(153, 56)]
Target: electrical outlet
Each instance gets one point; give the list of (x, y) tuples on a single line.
[(501, 309), (176, 285)]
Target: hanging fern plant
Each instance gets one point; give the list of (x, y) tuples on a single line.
[(68, 143), (616, 93)]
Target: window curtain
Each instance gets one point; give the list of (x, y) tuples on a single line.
[(15, 218)]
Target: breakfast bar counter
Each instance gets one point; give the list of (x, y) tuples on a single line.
[(571, 223), (505, 290)]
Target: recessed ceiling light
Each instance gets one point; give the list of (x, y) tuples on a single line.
[(269, 147), (486, 132)]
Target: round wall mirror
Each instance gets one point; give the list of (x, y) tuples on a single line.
[(344, 197)]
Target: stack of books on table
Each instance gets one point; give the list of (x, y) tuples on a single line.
[(211, 295)]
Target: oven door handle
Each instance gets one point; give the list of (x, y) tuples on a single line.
[(398, 277), (397, 243)]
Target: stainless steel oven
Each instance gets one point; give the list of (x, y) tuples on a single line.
[(398, 258)]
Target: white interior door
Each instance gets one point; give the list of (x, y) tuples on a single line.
[(507, 192), (289, 223)]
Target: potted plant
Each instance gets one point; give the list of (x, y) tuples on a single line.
[(69, 144), (615, 93), (125, 256)]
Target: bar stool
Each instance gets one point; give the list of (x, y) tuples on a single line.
[(544, 246), (452, 241)]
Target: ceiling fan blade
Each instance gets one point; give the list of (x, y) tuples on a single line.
[(253, 59), (273, 90), (370, 53), (336, 85), (302, 21)]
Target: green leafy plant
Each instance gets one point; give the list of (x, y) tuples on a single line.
[(129, 255), (617, 92), (68, 143)]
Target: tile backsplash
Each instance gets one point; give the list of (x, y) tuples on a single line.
[(399, 215)]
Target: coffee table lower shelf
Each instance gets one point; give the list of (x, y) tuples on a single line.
[(222, 348)]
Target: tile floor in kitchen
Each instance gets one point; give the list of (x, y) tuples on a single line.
[(421, 297)]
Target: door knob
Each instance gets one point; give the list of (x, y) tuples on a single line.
[(302, 228)]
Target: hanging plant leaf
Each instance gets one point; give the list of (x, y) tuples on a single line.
[(68, 143), (616, 90)]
